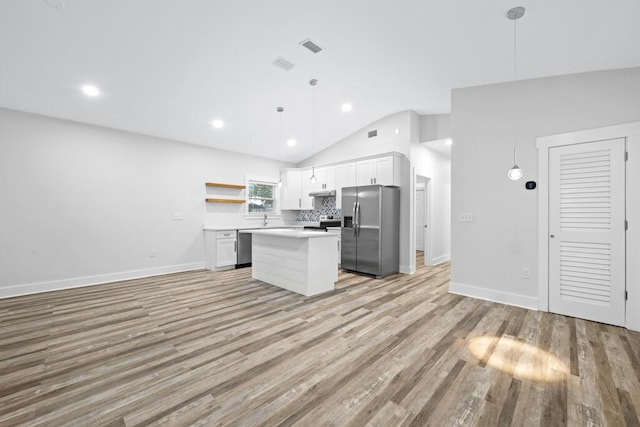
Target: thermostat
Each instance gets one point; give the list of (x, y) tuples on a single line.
[(530, 185)]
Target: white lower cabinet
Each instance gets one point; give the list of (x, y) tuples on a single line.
[(226, 252), (221, 249)]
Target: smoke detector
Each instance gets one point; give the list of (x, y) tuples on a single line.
[(311, 45), (280, 62)]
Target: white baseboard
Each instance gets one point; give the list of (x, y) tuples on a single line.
[(440, 259), (77, 282), (493, 295), (406, 269)]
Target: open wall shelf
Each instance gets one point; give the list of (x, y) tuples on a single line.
[(212, 200), (230, 195), (217, 184)]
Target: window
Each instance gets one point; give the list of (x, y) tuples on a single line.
[(261, 197)]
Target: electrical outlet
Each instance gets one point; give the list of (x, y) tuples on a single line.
[(178, 216), (152, 253), (466, 217), (526, 273)]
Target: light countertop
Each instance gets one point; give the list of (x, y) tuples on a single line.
[(247, 227), (297, 234)]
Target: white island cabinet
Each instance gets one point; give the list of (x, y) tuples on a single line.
[(304, 262)]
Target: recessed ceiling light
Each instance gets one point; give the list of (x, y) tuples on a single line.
[(346, 107), (291, 142), (448, 141), (90, 90), (217, 123)]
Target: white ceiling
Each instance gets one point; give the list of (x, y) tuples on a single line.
[(168, 68)]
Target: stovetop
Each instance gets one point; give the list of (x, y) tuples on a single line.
[(325, 221)]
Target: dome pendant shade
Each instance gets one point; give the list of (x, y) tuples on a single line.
[(515, 173)]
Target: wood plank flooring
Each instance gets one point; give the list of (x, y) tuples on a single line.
[(204, 348)]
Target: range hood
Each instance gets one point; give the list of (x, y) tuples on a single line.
[(324, 193)]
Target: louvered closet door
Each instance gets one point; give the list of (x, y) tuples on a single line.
[(587, 231)]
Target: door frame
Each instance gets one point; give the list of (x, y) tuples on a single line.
[(427, 247), (419, 189), (630, 131)]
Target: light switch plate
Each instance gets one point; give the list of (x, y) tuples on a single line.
[(466, 217)]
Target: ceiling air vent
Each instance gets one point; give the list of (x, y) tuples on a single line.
[(373, 133), (283, 63), (311, 45)]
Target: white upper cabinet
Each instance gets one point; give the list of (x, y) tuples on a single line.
[(296, 183), (382, 171), (325, 179), (366, 170), (307, 187), (321, 177), (345, 177), (291, 190)]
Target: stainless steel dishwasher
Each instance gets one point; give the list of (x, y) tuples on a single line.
[(244, 248)]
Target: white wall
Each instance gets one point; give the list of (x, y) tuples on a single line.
[(84, 204), (489, 253), (359, 145), (431, 164), (434, 127)]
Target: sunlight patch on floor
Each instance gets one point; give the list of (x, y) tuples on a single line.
[(518, 359)]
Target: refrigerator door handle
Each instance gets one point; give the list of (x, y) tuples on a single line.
[(355, 220), (358, 214)]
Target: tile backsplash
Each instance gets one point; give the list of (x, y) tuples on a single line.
[(328, 208)]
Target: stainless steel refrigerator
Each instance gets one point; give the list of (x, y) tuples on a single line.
[(371, 230)]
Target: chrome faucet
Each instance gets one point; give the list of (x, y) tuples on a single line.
[(265, 222)]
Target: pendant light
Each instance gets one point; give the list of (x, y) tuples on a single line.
[(313, 83), (515, 173), (280, 110)]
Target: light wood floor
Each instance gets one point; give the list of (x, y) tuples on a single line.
[(208, 348)]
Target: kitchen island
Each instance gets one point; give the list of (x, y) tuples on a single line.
[(304, 262)]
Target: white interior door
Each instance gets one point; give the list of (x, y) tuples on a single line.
[(587, 231), (420, 219)]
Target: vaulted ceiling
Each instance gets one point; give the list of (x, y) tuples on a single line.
[(168, 68)]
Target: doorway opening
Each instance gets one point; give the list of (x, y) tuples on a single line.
[(422, 216)]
